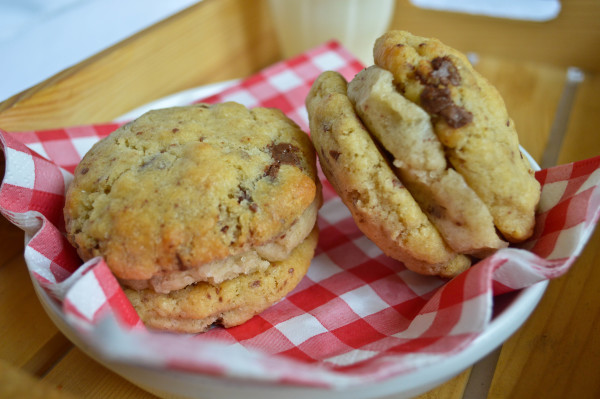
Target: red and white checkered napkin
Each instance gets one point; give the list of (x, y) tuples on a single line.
[(357, 317)]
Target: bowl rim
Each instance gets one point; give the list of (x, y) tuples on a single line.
[(187, 384)]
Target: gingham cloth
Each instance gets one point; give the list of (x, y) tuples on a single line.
[(357, 317)]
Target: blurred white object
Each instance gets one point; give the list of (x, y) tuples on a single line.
[(355, 24), (42, 37), (528, 10)]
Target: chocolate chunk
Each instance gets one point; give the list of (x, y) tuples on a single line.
[(437, 101), (285, 153), (456, 116), (335, 154), (282, 153), (444, 72), (272, 170)]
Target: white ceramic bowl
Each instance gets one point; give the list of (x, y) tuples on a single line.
[(516, 308), (511, 312)]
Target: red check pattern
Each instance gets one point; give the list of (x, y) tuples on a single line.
[(357, 317)]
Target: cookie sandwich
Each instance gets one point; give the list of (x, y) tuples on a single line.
[(422, 151), (206, 214)]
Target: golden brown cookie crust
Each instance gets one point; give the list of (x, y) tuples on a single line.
[(183, 186), (471, 121), (381, 206), (405, 131), (195, 308)]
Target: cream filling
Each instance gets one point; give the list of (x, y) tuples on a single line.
[(258, 258)]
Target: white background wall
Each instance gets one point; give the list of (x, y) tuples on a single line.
[(39, 38)]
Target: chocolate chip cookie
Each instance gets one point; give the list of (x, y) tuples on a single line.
[(471, 121), (363, 177), (196, 194), (229, 303), (405, 131)]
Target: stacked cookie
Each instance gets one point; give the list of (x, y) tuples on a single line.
[(421, 149), (205, 214)]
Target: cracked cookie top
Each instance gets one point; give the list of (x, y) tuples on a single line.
[(183, 186)]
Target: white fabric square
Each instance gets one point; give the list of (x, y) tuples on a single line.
[(368, 247), (67, 178), (470, 316), (39, 148), (87, 295), (302, 115), (352, 357), (418, 326), (569, 242), (420, 284), (300, 328), (517, 272), (551, 194), (329, 61), (334, 211), (592, 181), (83, 144), (20, 170), (364, 301), (322, 267), (243, 97), (285, 80), (39, 264)]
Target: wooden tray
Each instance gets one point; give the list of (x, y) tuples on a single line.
[(555, 354)]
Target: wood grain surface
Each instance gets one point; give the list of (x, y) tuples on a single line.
[(556, 354)]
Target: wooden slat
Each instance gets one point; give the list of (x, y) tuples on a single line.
[(583, 134), (29, 338), (452, 389), (557, 352), (17, 384), (212, 41), (572, 39), (222, 39), (531, 92), (80, 375)]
